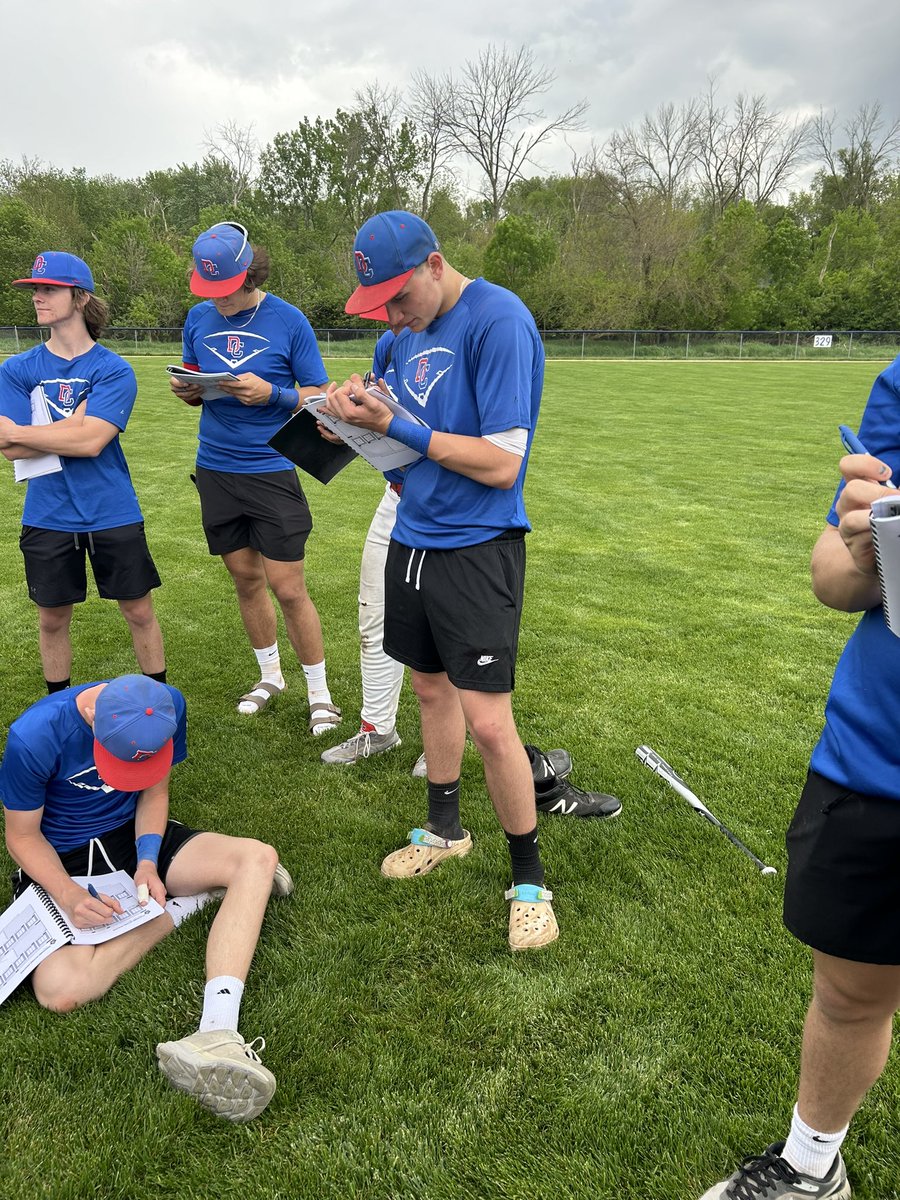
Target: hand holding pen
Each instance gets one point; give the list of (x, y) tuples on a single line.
[(853, 445)]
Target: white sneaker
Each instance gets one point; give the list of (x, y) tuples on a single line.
[(282, 884), (221, 1071), (420, 768), (362, 745)]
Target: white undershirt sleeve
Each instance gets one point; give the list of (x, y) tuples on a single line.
[(515, 441)]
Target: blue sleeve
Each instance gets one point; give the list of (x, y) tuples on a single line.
[(23, 777), (383, 354), (179, 738), (306, 360), (188, 354), (879, 430), (503, 368), (112, 395), (15, 396)]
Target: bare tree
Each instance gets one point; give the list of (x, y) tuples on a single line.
[(494, 116), (429, 108), (749, 154), (660, 153), (872, 144), (236, 147)]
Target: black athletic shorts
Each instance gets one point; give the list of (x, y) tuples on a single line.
[(55, 564), (120, 849), (266, 512), (842, 894), (457, 610)]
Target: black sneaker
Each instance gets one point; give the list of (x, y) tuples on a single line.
[(548, 764), (771, 1177)]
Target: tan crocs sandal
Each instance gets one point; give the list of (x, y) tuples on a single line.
[(323, 717), (423, 853), (257, 698), (532, 922)]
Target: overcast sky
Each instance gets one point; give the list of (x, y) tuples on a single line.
[(127, 86)]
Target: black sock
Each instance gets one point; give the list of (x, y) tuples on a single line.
[(526, 858), (159, 676), (443, 810), (58, 685)]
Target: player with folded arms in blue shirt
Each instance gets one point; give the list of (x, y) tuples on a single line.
[(86, 507)]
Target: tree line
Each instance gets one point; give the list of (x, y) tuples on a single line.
[(692, 218)]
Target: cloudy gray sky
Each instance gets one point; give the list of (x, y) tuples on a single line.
[(127, 86)]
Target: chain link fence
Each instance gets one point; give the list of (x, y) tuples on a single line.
[(694, 344)]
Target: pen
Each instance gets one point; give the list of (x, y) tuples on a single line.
[(93, 891), (853, 445), (368, 379)]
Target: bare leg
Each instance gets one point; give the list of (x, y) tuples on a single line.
[(74, 975), (846, 1038), (146, 635), (55, 642), (301, 617), (257, 610), (245, 868), (443, 725), (507, 771)]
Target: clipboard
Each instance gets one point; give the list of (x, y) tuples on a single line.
[(300, 441)]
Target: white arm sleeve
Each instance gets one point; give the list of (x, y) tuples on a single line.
[(515, 441)]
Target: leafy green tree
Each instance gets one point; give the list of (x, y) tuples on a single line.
[(517, 252)]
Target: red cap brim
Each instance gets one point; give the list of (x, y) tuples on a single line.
[(370, 301), (37, 282), (211, 288), (136, 775)]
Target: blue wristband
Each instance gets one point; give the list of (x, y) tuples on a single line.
[(417, 437), (285, 398), (148, 845)]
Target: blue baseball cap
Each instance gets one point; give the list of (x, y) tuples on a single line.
[(58, 269), (387, 250), (222, 258), (134, 723)]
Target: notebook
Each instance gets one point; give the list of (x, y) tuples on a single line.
[(33, 926), (885, 521)]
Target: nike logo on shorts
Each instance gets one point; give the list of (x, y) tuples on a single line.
[(485, 659)]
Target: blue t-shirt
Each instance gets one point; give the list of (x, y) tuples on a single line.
[(860, 744), (49, 763), (88, 493), (476, 370), (278, 344)]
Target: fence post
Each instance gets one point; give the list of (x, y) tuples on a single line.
[(16, 330), (687, 345), (850, 347), (797, 344), (634, 346), (741, 346), (582, 343)]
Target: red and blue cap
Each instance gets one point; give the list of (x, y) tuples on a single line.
[(58, 269), (222, 258), (134, 723), (387, 250)]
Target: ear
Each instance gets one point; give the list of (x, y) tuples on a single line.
[(436, 263), (88, 714)]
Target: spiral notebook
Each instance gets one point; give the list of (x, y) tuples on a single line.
[(885, 521), (33, 926)]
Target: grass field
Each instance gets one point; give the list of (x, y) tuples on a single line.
[(674, 507)]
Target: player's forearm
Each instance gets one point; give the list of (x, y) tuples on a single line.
[(837, 581), (69, 438), (12, 453), (37, 858), (152, 812), (476, 458)]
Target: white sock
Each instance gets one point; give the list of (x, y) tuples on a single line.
[(270, 665), (180, 907), (808, 1150), (221, 1003), (316, 683)]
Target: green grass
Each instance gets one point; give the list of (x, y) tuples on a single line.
[(668, 602)]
